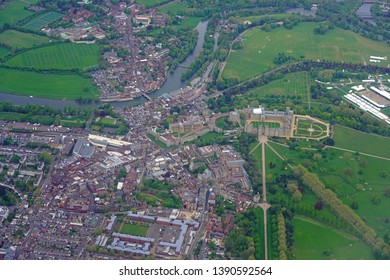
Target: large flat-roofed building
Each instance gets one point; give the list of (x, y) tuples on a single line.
[(103, 142), (83, 149)]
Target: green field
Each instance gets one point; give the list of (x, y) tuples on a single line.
[(59, 56), (3, 51), (150, 3), (260, 48), (134, 229), (174, 8), (17, 39), (362, 142), (52, 86), (15, 12), (108, 120), (291, 84), (40, 21), (314, 241)]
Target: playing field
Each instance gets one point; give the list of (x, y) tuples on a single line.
[(134, 229), (314, 241), (362, 142), (42, 20), (17, 39), (260, 48), (59, 56), (15, 12), (52, 86)]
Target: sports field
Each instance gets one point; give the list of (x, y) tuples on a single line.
[(260, 48), (314, 241), (42, 20), (59, 56), (52, 86), (134, 229), (15, 12), (351, 139), (17, 39)]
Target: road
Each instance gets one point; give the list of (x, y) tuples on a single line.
[(263, 140)]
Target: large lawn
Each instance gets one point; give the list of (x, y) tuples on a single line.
[(362, 142), (314, 241), (15, 12), (134, 229), (174, 8), (59, 56), (17, 39), (260, 48), (52, 86)]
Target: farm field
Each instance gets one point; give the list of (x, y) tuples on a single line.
[(15, 12), (362, 142), (260, 48), (59, 56), (134, 229), (38, 22), (52, 86), (314, 241), (17, 39)]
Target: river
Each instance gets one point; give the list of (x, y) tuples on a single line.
[(172, 83)]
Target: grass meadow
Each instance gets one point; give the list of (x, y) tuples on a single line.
[(315, 241), (17, 39), (260, 48), (351, 139)]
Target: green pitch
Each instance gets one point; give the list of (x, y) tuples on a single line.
[(59, 56), (52, 86)]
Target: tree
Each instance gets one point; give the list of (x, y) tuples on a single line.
[(376, 199), (319, 204), (355, 205), (317, 157), (387, 192)]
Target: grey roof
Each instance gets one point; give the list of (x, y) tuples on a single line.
[(133, 237), (83, 149)]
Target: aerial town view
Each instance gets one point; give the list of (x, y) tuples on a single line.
[(194, 130)]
